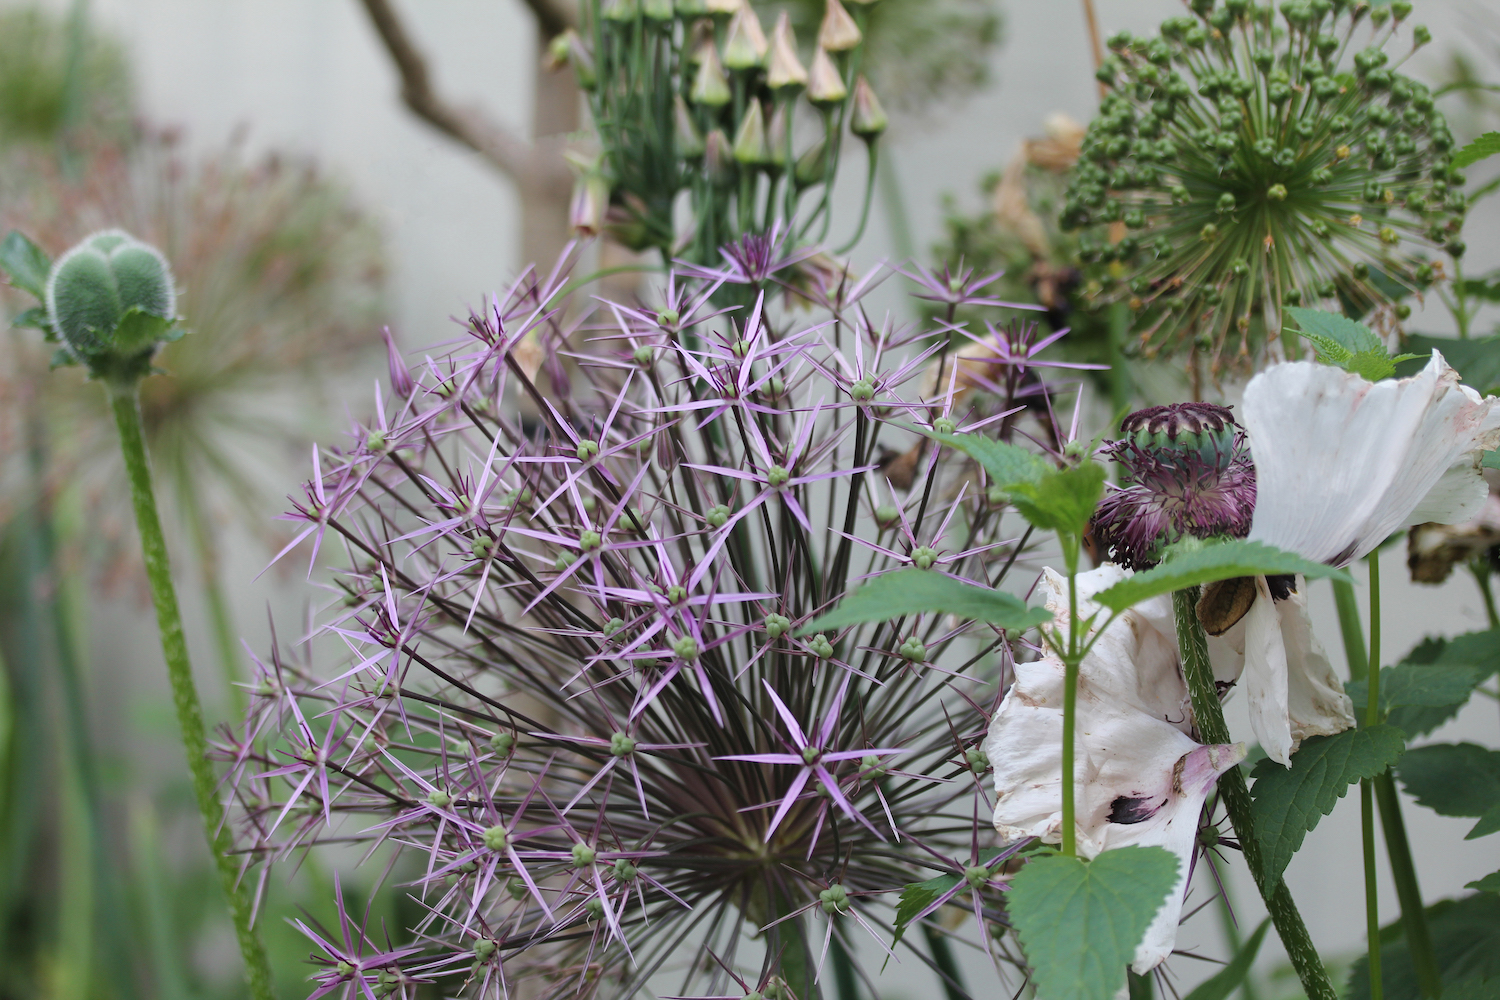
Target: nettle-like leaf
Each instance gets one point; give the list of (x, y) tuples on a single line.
[(1080, 921), (916, 897), (1063, 500), (1227, 980), (1465, 941), (25, 262), (914, 591), (1347, 344), (1220, 561), (1005, 464), (1482, 148), (1434, 681), (1456, 779), (1289, 801), (1490, 883)]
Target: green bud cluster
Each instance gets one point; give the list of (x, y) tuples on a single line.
[(1242, 161), (777, 625), (834, 899), (820, 646)]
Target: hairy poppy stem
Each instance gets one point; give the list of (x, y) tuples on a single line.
[(1236, 796), (125, 401)]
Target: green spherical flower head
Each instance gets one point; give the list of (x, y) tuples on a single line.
[(112, 301), (1248, 159)]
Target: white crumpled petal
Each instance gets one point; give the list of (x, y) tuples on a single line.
[(1293, 690), (1139, 778), (1342, 462)]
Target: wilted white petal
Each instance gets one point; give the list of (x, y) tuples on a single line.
[(1293, 690), (1139, 778), (1342, 462)]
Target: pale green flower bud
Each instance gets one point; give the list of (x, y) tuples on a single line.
[(838, 32), (812, 166), (825, 86), (711, 84), (783, 68), (750, 140), (868, 119), (112, 301), (689, 139), (583, 855), (744, 43), (718, 157), (657, 10)]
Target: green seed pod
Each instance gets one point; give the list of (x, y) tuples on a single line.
[(112, 300)]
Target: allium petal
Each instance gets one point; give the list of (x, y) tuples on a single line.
[(1342, 462), (1293, 689)]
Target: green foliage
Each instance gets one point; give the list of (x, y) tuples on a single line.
[(1219, 561), (1490, 883), (1456, 779), (1006, 464), (1227, 980), (1482, 148), (1063, 500), (1466, 942), (1080, 921), (1289, 801), (25, 263), (913, 591), (916, 897), (1433, 682), (1347, 344), (1477, 360)]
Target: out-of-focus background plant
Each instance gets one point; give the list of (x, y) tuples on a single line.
[(283, 276)]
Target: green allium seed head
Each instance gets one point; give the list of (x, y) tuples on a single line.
[(439, 798), (112, 301), (777, 625), (621, 745), (820, 646), (484, 948), (1244, 159), (503, 743), (496, 838), (583, 855), (717, 516)]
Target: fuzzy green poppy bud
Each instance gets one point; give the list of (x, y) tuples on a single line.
[(868, 119), (783, 68), (824, 84), (750, 139), (744, 43), (838, 32), (710, 85), (112, 300)]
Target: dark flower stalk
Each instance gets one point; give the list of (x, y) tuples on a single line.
[(574, 703)]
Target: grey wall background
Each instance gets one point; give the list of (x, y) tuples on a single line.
[(308, 76)]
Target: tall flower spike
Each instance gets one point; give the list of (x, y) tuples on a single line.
[(783, 68), (838, 32), (825, 85), (1140, 779), (744, 43)]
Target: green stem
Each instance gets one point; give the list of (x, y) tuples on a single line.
[(126, 404), (1070, 697), (1236, 796), (1480, 567), (1366, 799), (1397, 847), (864, 212)]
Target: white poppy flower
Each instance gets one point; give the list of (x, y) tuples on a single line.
[(1139, 778), (1340, 464)]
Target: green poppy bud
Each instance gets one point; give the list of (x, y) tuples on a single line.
[(112, 300)]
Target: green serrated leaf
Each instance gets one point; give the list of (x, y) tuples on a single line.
[(139, 330), (1465, 941), (62, 358), (1080, 921), (1418, 697), (1455, 779), (1289, 801), (1490, 883), (1005, 464), (1220, 561), (1371, 365), (1487, 288), (25, 262), (917, 591), (1352, 336), (34, 318), (1063, 500), (1228, 979), (916, 897), (1482, 148)]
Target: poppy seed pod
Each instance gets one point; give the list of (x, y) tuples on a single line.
[(825, 86), (111, 299), (744, 43), (868, 119), (783, 68), (838, 32)]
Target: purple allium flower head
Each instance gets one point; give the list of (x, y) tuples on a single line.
[(1187, 473), (572, 713)]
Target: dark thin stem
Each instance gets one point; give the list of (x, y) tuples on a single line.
[(126, 405), (1236, 795)]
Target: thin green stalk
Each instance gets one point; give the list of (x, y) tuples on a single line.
[(1480, 567), (871, 149), (125, 402), (1397, 847), (1366, 799), (1236, 796), (1070, 698)]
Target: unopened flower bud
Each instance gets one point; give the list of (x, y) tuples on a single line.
[(922, 557), (439, 798), (624, 870), (401, 382), (586, 450), (868, 119), (112, 300), (976, 876), (783, 68), (886, 515), (717, 516), (750, 140), (835, 899), (484, 948), (689, 139), (812, 166), (777, 477), (589, 203), (568, 48), (503, 743), (913, 649), (657, 10), (824, 85), (838, 32), (977, 759), (711, 84), (718, 157), (744, 43)]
